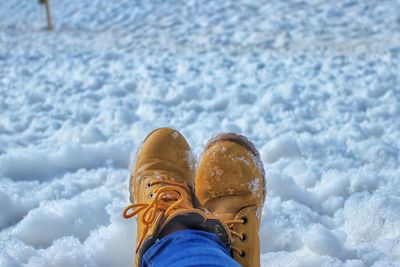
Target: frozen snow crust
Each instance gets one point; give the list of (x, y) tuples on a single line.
[(315, 84)]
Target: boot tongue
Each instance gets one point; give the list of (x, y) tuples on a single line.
[(163, 182)]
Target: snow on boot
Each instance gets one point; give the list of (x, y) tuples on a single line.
[(230, 185)]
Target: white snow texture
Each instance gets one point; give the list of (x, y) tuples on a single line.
[(315, 85)]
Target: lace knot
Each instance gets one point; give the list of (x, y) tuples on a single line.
[(165, 199)]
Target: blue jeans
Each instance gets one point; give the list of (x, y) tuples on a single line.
[(188, 248)]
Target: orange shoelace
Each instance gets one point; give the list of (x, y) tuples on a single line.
[(242, 237), (165, 199)]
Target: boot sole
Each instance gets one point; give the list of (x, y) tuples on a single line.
[(243, 141)]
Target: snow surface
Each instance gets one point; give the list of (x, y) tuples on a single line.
[(315, 84)]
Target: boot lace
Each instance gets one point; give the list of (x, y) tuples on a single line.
[(242, 237), (165, 199)]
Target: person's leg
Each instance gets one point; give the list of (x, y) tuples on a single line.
[(189, 248)]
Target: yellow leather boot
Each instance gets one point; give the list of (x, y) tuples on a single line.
[(161, 190), (230, 185)]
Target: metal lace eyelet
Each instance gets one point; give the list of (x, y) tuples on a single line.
[(244, 237), (218, 230), (151, 195), (243, 254), (245, 219), (148, 184)]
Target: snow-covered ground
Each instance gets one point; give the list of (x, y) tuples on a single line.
[(315, 84)]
